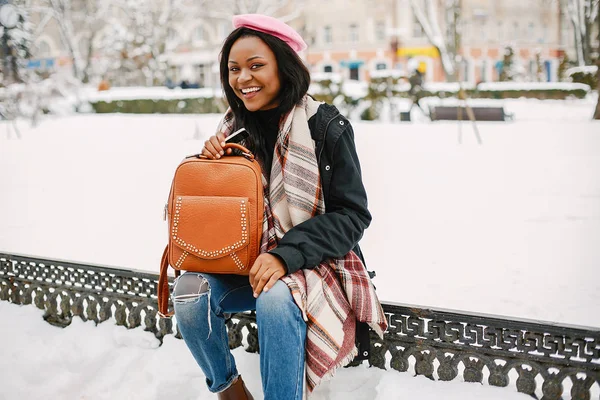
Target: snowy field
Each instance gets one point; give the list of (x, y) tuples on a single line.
[(511, 227)]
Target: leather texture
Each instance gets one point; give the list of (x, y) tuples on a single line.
[(237, 391), (215, 214)]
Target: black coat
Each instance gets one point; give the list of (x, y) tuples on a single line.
[(335, 233)]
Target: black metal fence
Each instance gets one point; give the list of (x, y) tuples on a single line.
[(545, 360)]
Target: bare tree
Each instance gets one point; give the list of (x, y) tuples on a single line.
[(20, 40), (132, 36), (133, 29), (95, 16), (154, 25), (446, 41), (138, 33), (63, 13), (597, 113), (78, 20), (582, 15)]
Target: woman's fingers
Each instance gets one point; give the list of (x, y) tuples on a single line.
[(265, 272), (217, 145), (266, 280), (210, 148), (213, 147), (272, 281), (221, 139)]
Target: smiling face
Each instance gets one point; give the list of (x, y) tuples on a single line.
[(253, 74)]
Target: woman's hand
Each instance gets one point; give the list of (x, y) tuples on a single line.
[(213, 147), (265, 272)]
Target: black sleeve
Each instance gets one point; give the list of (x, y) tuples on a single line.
[(335, 233)]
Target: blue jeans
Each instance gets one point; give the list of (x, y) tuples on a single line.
[(200, 300)]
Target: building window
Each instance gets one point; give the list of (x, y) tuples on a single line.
[(199, 34), (327, 68), (484, 71), (200, 74), (224, 29), (466, 71), (380, 31), (380, 66), (531, 31), (533, 69), (515, 31), (500, 31), (172, 39), (42, 50), (483, 31), (327, 36), (354, 73), (544, 37), (353, 33)]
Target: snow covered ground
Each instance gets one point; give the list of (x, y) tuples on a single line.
[(510, 227), (84, 361)]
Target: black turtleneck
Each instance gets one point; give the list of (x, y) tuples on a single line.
[(268, 122)]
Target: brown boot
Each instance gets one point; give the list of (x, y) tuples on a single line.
[(237, 391)]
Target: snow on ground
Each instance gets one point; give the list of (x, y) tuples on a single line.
[(85, 361), (159, 92), (510, 227)]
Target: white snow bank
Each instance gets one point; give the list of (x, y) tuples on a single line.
[(387, 73), (326, 76), (158, 93), (532, 86), (587, 69)]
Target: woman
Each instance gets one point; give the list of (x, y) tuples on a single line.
[(315, 213)]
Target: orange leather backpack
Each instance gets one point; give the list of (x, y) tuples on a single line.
[(215, 214)]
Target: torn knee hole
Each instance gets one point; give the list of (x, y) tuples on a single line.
[(189, 288)]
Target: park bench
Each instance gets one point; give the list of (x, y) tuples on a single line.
[(455, 113), (436, 343)]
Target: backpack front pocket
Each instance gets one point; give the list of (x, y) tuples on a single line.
[(210, 234)]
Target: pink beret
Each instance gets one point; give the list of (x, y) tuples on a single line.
[(271, 26)]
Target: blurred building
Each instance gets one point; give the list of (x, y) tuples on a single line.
[(352, 38)]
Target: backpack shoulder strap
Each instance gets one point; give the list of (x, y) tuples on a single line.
[(162, 291)]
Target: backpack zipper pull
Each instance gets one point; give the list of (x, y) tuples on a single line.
[(165, 211)]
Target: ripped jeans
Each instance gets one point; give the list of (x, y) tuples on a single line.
[(200, 300)]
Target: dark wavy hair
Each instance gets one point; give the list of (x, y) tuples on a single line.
[(293, 76)]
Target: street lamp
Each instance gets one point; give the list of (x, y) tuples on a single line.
[(9, 17)]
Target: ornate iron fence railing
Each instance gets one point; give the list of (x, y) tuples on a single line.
[(548, 360)]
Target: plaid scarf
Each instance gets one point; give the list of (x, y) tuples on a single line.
[(337, 292)]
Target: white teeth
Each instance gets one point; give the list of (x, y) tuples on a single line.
[(250, 90)]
